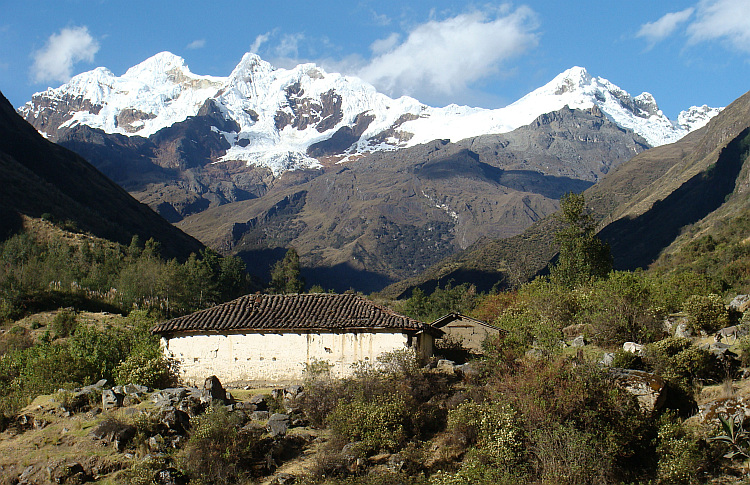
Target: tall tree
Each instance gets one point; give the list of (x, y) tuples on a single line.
[(285, 275), (583, 256)]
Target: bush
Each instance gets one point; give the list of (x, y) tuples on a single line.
[(218, 451), (627, 360), (565, 455), (678, 360), (492, 427), (619, 309), (322, 392), (378, 425), (707, 313), (683, 458), (64, 324), (154, 371)]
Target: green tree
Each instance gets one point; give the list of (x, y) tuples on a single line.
[(583, 256), (285, 275)]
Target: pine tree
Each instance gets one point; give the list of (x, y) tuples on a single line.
[(583, 256), (285, 275)]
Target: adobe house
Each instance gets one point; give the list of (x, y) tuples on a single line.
[(469, 331), (268, 339)]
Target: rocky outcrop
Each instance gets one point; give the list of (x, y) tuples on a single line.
[(648, 389)]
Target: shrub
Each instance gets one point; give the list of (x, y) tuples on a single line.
[(627, 360), (155, 371), (566, 455), (218, 451), (619, 309), (17, 338), (322, 392), (678, 360), (64, 324), (682, 458), (492, 427), (707, 313), (379, 425)]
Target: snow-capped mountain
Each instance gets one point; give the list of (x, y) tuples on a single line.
[(290, 118)]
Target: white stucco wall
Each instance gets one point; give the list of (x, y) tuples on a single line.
[(266, 358)]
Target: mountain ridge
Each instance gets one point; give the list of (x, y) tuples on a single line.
[(41, 177), (284, 117)]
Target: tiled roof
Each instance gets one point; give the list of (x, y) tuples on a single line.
[(452, 317), (312, 311)]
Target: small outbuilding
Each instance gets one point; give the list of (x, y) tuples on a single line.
[(269, 339), (470, 332)]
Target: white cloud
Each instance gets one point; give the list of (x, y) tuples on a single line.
[(727, 20), (197, 44), (442, 57), (55, 61), (665, 26), (259, 41), (288, 47), (382, 46)]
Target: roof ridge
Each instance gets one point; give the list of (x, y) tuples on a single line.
[(301, 311)]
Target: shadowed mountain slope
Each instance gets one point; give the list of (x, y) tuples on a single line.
[(644, 207), (40, 177)]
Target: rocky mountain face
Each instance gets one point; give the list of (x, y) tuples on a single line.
[(391, 215), (37, 177), (648, 206), (369, 189)]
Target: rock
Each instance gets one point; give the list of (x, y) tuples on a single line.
[(379, 459), (134, 389), (170, 476), (169, 396), (446, 366), (131, 400), (646, 387), (213, 391), (111, 399), (176, 421), (283, 479), (467, 369), (535, 353), (633, 348), (278, 424), (683, 330), (607, 359), (155, 443), (579, 341), (260, 416), (293, 392), (26, 473), (672, 321), (396, 463), (728, 406), (740, 303), (260, 401), (67, 472), (115, 432), (244, 406)]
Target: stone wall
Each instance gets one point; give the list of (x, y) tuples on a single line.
[(470, 333), (277, 358)]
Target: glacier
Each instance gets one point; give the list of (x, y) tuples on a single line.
[(281, 113)]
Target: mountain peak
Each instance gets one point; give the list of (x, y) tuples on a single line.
[(571, 79), (306, 110), (160, 63)]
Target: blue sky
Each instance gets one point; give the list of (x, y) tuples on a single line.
[(482, 54)]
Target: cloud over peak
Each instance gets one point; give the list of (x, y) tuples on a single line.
[(55, 61), (445, 56)]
